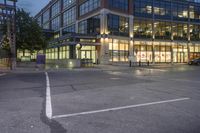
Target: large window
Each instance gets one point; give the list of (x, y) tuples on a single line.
[(180, 11), (180, 52), (46, 26), (195, 32), (67, 3), (119, 4), (55, 8), (162, 9), (69, 29), (162, 30), (162, 52), (46, 16), (64, 52), (69, 16), (195, 13), (88, 6), (142, 28), (144, 51), (39, 20), (118, 50), (55, 24), (180, 31), (52, 54), (143, 8), (90, 26), (194, 51), (118, 25)]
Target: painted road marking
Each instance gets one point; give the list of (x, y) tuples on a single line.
[(48, 98), (119, 108)]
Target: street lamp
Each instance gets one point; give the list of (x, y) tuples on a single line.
[(11, 24)]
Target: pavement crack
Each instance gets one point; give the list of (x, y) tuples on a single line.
[(73, 88)]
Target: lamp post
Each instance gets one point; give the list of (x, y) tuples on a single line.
[(11, 32)]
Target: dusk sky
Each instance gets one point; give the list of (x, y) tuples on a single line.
[(32, 6)]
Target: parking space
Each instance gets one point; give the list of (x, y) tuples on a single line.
[(133, 100)]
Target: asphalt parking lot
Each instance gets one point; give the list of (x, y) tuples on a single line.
[(132, 100)]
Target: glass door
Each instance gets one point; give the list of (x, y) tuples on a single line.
[(86, 54)]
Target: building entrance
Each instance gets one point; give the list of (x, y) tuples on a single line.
[(86, 54)]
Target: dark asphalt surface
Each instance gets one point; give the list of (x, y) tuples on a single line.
[(22, 100)]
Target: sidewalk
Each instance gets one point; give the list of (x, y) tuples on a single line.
[(114, 67), (4, 69)]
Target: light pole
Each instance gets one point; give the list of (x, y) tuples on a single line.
[(11, 32)]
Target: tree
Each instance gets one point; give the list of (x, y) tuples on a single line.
[(29, 35)]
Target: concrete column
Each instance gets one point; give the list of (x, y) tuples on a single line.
[(131, 45), (188, 47), (153, 53), (76, 26), (189, 40), (104, 50), (172, 54), (153, 39), (153, 35)]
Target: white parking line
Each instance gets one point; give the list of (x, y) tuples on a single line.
[(48, 98), (119, 108)]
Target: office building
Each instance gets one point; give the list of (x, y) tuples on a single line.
[(107, 31)]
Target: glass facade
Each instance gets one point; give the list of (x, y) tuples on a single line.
[(89, 6), (194, 51), (160, 31), (142, 28), (143, 51), (180, 31), (118, 50), (118, 25), (64, 52), (46, 16), (163, 9), (46, 26), (194, 32), (87, 52), (55, 9), (69, 29), (67, 3), (39, 21), (160, 52), (143, 8), (55, 23), (52, 54), (180, 52), (119, 4), (90, 26), (69, 16)]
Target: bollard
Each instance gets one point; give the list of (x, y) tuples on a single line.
[(130, 64), (147, 63)]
